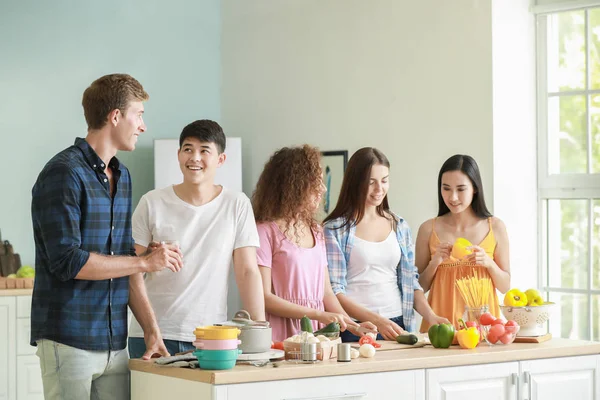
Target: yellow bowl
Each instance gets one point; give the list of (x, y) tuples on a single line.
[(217, 332)]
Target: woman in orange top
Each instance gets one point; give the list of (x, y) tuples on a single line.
[(462, 213)]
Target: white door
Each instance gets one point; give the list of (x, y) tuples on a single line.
[(487, 381), (7, 348), (29, 378), (561, 378), (405, 385)]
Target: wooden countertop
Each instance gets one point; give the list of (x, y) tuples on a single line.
[(395, 360), (16, 292)]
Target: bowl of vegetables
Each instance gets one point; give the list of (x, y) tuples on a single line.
[(498, 331)]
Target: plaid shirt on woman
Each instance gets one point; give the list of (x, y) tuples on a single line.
[(339, 246), (74, 215)]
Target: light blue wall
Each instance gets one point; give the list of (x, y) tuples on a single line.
[(51, 51)]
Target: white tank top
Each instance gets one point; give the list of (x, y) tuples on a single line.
[(372, 276)]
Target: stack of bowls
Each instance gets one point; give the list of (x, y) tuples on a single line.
[(217, 346)]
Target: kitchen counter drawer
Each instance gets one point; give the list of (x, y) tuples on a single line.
[(406, 384)]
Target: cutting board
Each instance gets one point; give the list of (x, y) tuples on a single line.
[(533, 339), (389, 345)]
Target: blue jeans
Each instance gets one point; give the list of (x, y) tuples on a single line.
[(137, 347), (347, 336)]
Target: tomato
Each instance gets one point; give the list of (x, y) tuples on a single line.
[(486, 319), (493, 339), (497, 330), (277, 346), (470, 324), (366, 340), (506, 338), (498, 321), (511, 326), (376, 345)]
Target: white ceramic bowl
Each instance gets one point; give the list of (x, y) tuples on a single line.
[(532, 320)]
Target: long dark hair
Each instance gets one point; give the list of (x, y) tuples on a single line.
[(467, 165), (355, 186)]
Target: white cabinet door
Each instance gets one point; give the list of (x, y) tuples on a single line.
[(487, 381), (23, 326), (29, 378), (562, 378), (405, 385), (7, 348)]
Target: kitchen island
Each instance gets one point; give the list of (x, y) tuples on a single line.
[(556, 369)]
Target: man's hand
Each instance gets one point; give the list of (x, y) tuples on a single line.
[(161, 256), (155, 347)]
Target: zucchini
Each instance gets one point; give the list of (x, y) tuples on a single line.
[(306, 324), (333, 327), (407, 339)]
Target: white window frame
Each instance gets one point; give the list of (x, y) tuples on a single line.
[(562, 186)]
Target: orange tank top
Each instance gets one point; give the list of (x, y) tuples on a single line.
[(444, 297)]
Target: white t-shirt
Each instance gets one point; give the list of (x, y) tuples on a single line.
[(207, 236), (372, 276)]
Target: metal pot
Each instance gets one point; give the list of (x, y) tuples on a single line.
[(256, 336)]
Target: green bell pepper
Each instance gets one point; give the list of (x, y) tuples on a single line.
[(441, 335)]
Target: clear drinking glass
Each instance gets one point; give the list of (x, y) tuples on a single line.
[(474, 314)]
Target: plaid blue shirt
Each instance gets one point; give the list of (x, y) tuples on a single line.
[(74, 215), (339, 244)]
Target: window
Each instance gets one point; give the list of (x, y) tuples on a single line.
[(568, 52)]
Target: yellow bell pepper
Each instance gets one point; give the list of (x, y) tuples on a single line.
[(468, 338), (515, 298)]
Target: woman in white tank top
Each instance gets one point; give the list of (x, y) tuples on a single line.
[(370, 252)]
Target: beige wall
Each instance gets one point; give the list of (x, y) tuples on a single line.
[(411, 78)]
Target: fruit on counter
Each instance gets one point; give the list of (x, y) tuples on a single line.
[(369, 340), (471, 324), (459, 248), (534, 298), (407, 338), (511, 326), (501, 331), (486, 319), (367, 350), (441, 335), (306, 324), (277, 346), (12, 276), (354, 353), (515, 298), (26, 271), (468, 337)]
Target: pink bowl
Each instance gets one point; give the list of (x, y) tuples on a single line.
[(224, 344)]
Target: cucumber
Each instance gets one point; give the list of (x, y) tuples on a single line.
[(407, 339), (306, 324), (333, 327)]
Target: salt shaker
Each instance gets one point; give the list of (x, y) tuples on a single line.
[(343, 352), (308, 351)]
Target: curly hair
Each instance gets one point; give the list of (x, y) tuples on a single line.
[(285, 186)]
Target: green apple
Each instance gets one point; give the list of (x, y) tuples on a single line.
[(12, 276)]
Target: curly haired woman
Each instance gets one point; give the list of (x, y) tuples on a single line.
[(292, 256)]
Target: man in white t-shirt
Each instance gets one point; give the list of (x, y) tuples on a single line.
[(213, 226)]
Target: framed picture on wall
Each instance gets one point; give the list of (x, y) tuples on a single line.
[(334, 165)]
